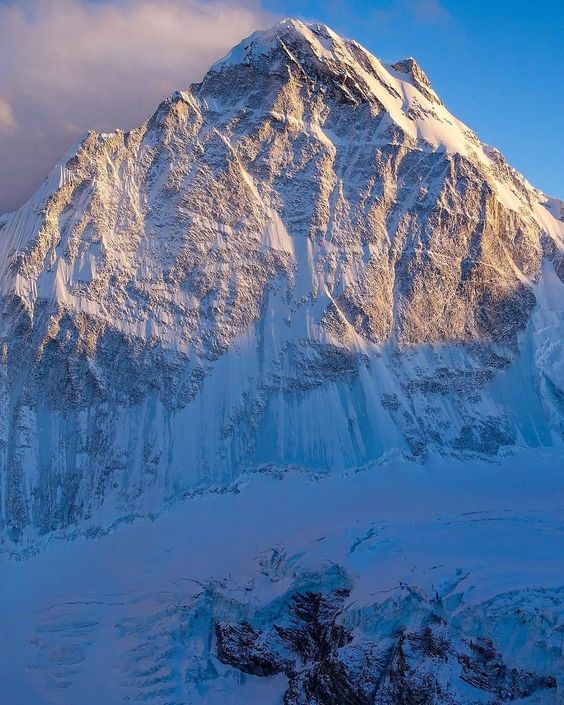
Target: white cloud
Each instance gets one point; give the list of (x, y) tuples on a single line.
[(8, 123), (71, 65)]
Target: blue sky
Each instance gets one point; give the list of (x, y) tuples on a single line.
[(71, 65), (497, 65)]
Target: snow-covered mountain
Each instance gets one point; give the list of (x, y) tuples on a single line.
[(304, 259), (306, 329)]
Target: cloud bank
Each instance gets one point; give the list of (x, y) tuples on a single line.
[(71, 65)]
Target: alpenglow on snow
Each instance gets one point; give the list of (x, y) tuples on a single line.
[(302, 261), (282, 402)]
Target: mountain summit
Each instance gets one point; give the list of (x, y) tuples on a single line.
[(304, 260), (307, 301)]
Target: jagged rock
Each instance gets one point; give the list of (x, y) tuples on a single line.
[(325, 665), (241, 280)]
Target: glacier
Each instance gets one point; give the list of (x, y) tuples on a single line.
[(470, 552)]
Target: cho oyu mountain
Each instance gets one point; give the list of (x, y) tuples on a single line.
[(303, 260)]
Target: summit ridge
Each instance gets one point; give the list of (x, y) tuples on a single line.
[(305, 229), (281, 401)]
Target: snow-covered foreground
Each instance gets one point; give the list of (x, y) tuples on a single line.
[(475, 548)]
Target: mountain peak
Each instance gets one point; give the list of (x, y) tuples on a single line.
[(327, 64), (302, 230), (419, 78), (314, 36), (316, 49)]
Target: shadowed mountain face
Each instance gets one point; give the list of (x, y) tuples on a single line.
[(303, 260), (325, 665)]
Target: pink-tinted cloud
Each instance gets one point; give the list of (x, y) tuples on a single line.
[(8, 123), (71, 65)]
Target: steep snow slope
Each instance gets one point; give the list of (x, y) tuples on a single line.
[(305, 329), (303, 260)]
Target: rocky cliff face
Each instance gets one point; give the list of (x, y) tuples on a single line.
[(303, 260), (325, 665)]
